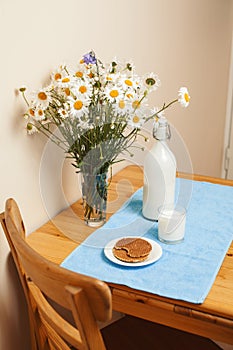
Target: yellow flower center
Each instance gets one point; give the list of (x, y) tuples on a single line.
[(121, 104), (31, 112), (78, 105), (79, 74), (186, 97), (128, 82), (40, 112), (67, 91), (108, 78), (129, 95), (83, 89), (114, 93), (66, 80), (136, 119), (136, 104), (57, 76), (42, 96)]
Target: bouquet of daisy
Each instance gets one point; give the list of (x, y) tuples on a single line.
[(94, 112)]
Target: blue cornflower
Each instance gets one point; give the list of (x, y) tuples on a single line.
[(89, 58)]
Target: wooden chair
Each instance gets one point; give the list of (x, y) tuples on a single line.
[(23, 279), (48, 287)]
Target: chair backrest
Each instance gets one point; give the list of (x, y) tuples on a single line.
[(88, 299), (21, 230)]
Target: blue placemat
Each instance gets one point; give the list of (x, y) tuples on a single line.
[(186, 271)]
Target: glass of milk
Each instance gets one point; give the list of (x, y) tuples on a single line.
[(171, 223)]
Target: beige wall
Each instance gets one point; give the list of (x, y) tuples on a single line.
[(186, 42)]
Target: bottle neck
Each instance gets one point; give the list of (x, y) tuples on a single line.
[(161, 130)]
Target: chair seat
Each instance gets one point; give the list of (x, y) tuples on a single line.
[(132, 333)]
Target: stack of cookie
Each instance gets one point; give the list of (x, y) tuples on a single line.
[(132, 249)]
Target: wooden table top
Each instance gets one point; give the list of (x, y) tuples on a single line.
[(56, 239)]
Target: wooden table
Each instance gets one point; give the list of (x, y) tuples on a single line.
[(213, 319)]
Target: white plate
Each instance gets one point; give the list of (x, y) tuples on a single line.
[(154, 255)]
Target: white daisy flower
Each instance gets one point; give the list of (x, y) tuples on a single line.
[(84, 88), (84, 71), (135, 103), (78, 106), (62, 90), (59, 73), (130, 95), (110, 78), (130, 67), (128, 83), (41, 98), (151, 81), (30, 112), (31, 129), (124, 67), (113, 93), (39, 113), (79, 72), (136, 119), (92, 73), (64, 111), (66, 82), (121, 106), (183, 97), (114, 66)]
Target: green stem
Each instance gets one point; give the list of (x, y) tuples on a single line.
[(58, 142), (162, 109), (25, 99), (139, 102)]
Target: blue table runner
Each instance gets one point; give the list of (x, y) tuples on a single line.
[(186, 271)]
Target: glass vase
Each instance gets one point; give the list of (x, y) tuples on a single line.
[(94, 195)]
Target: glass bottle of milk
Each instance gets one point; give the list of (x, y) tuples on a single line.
[(159, 172)]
